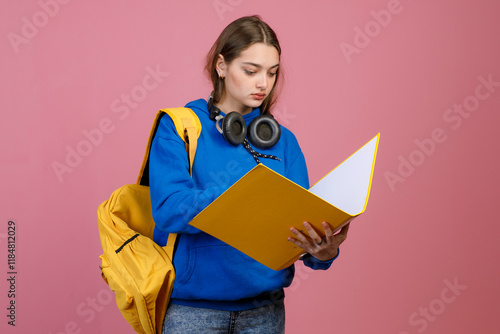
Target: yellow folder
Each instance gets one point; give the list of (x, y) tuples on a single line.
[(255, 214)]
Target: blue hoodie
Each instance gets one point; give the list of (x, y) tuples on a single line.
[(210, 273)]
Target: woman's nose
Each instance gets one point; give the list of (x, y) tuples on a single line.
[(262, 82)]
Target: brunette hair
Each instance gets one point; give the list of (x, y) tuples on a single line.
[(235, 38)]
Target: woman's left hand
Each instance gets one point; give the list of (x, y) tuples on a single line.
[(323, 249)]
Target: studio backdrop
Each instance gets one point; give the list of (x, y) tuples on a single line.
[(81, 82)]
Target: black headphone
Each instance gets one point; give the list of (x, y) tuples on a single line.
[(263, 132)]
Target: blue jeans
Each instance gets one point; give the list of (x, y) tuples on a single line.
[(269, 319)]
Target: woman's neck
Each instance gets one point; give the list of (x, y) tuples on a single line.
[(226, 107)]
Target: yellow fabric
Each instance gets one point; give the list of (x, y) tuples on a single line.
[(188, 125), (138, 270)]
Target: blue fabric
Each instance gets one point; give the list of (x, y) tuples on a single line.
[(190, 320), (210, 273), (316, 264)]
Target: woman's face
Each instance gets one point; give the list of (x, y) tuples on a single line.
[(249, 78)]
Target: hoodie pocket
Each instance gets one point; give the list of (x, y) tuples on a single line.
[(220, 272), (201, 261)]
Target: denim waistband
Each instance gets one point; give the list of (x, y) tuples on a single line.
[(234, 305)]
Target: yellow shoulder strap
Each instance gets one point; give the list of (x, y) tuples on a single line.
[(188, 127)]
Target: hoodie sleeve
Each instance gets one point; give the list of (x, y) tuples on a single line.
[(175, 199)]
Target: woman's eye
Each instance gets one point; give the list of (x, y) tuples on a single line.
[(249, 72), (272, 74)]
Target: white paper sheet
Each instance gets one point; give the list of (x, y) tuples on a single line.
[(347, 186)]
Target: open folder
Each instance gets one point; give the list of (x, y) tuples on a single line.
[(255, 214)]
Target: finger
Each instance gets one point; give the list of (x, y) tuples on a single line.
[(344, 230), (301, 241), (328, 231), (342, 235), (295, 241), (299, 234), (305, 247), (312, 233)]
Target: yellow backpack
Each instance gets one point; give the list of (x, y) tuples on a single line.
[(139, 271)]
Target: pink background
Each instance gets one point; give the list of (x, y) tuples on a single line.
[(351, 71)]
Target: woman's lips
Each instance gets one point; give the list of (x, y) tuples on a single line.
[(259, 96)]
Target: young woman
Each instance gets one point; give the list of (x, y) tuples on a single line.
[(217, 288)]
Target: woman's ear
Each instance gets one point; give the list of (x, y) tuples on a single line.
[(220, 66)]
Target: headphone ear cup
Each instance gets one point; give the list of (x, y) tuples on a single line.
[(234, 128), (264, 131)]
